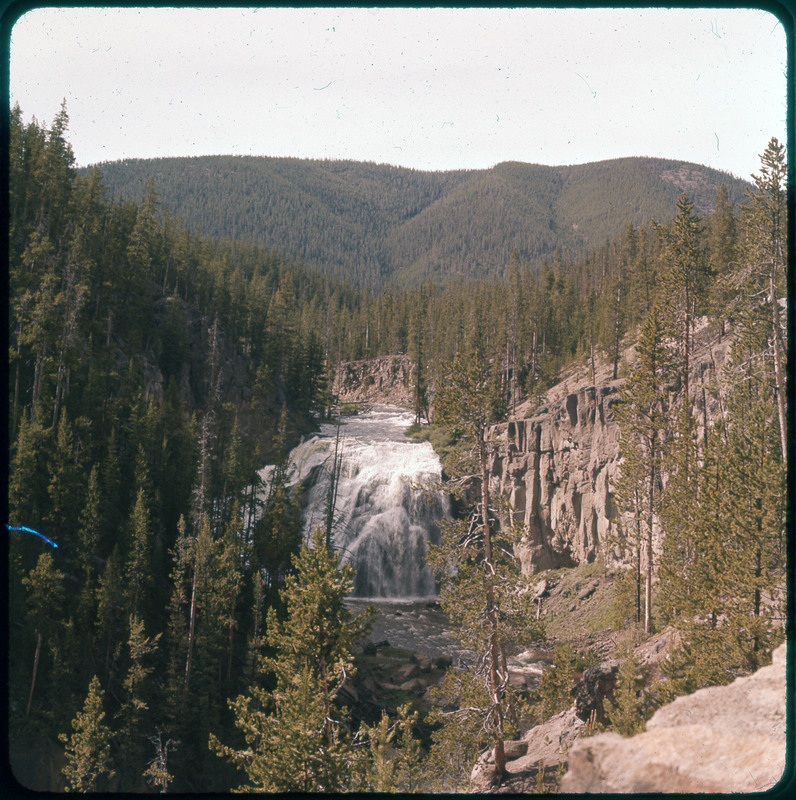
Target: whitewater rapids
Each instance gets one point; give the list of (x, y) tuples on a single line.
[(382, 522)]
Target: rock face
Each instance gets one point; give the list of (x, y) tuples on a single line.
[(544, 748), (720, 739), (556, 468), (376, 380)]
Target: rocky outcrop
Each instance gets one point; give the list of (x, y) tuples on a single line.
[(375, 380), (556, 469), (720, 739), (597, 683), (543, 748), (558, 464)]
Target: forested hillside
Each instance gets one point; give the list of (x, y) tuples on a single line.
[(377, 225), (179, 636)]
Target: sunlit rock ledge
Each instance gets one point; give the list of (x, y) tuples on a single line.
[(720, 739)]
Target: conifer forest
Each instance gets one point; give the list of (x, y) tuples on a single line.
[(178, 631)]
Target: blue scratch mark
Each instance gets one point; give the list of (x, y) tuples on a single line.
[(324, 87), (30, 530), (717, 140)]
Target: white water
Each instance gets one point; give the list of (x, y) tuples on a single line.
[(382, 524)]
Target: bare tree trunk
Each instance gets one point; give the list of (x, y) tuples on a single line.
[(192, 625), (495, 682), (35, 670), (779, 375), (650, 518), (638, 559), (617, 332)]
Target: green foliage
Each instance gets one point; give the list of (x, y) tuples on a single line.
[(152, 373), (404, 226), (135, 713), (625, 599), (552, 695), (88, 749), (629, 713), (395, 756), (157, 773), (459, 703), (707, 655), (295, 740)]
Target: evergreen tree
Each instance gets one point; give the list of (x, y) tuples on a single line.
[(722, 244), (295, 740), (629, 711), (88, 749), (138, 574), (46, 597), (481, 590), (642, 418), (763, 269), (134, 713), (157, 773), (395, 756), (683, 285)]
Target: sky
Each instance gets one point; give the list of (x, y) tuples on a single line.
[(432, 89)]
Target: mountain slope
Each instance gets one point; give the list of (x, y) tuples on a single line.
[(377, 225)]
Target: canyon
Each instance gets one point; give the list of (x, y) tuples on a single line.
[(555, 458)]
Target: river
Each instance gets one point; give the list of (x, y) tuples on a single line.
[(382, 523)]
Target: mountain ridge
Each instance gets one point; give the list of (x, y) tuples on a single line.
[(378, 225)]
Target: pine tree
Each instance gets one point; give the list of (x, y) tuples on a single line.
[(481, 590), (642, 418), (109, 621), (134, 713), (722, 230), (87, 558), (157, 772), (682, 285), (88, 749), (138, 573), (64, 488), (46, 597), (629, 711), (394, 758), (763, 270), (294, 739)]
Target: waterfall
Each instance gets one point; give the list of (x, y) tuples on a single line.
[(382, 525)]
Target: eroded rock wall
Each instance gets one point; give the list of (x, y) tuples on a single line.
[(558, 465), (556, 469), (387, 379)]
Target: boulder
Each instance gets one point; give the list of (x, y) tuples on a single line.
[(406, 672), (372, 648), (483, 777), (597, 683), (547, 744), (443, 661), (515, 748), (413, 685), (424, 662), (720, 739)]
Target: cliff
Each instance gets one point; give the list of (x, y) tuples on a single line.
[(555, 468), (556, 461), (557, 457), (387, 379)]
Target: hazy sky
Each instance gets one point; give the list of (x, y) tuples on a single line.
[(425, 88)]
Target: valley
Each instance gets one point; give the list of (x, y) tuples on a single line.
[(220, 435)]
